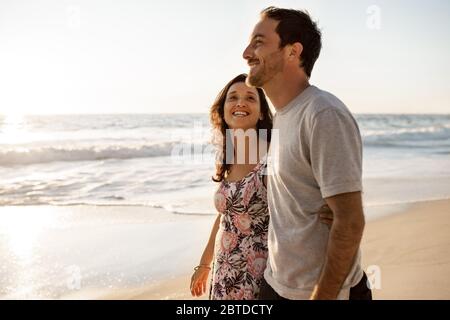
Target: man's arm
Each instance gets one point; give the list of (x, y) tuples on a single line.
[(345, 237)]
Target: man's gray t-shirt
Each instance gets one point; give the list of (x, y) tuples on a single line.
[(318, 155)]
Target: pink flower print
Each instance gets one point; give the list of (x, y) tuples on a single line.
[(237, 295), (256, 264), (243, 223), (224, 270), (220, 201), (246, 246), (228, 241), (249, 189), (263, 194), (257, 181), (249, 294), (264, 238)]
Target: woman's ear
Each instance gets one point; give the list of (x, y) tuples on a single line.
[(261, 116)]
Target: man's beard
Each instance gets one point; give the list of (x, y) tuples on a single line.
[(256, 80), (267, 71)]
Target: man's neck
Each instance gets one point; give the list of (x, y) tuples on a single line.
[(282, 90)]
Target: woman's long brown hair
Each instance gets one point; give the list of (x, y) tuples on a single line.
[(219, 125)]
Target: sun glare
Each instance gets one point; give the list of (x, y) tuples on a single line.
[(23, 227), (13, 129)]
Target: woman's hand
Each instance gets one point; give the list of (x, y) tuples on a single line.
[(198, 281), (326, 215)]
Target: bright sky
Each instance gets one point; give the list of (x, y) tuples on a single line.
[(99, 56)]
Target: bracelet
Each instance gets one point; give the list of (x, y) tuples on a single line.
[(202, 266)]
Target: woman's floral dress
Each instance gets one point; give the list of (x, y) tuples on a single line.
[(241, 241)]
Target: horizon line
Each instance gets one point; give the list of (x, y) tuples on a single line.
[(192, 113)]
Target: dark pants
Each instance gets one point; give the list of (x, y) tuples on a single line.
[(358, 292)]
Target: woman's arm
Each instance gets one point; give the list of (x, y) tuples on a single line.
[(200, 276), (208, 253)]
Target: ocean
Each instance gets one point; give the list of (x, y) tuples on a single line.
[(163, 160)]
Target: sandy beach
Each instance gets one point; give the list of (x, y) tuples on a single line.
[(411, 247), (91, 252), (118, 252), (146, 252)]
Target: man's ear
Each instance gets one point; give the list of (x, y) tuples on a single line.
[(296, 50)]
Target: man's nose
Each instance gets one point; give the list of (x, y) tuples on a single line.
[(248, 52)]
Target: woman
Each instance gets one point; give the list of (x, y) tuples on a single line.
[(238, 240)]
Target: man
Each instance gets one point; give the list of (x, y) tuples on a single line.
[(317, 161)]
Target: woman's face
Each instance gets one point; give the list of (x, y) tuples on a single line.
[(242, 107)]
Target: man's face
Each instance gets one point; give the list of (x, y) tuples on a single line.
[(263, 54)]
